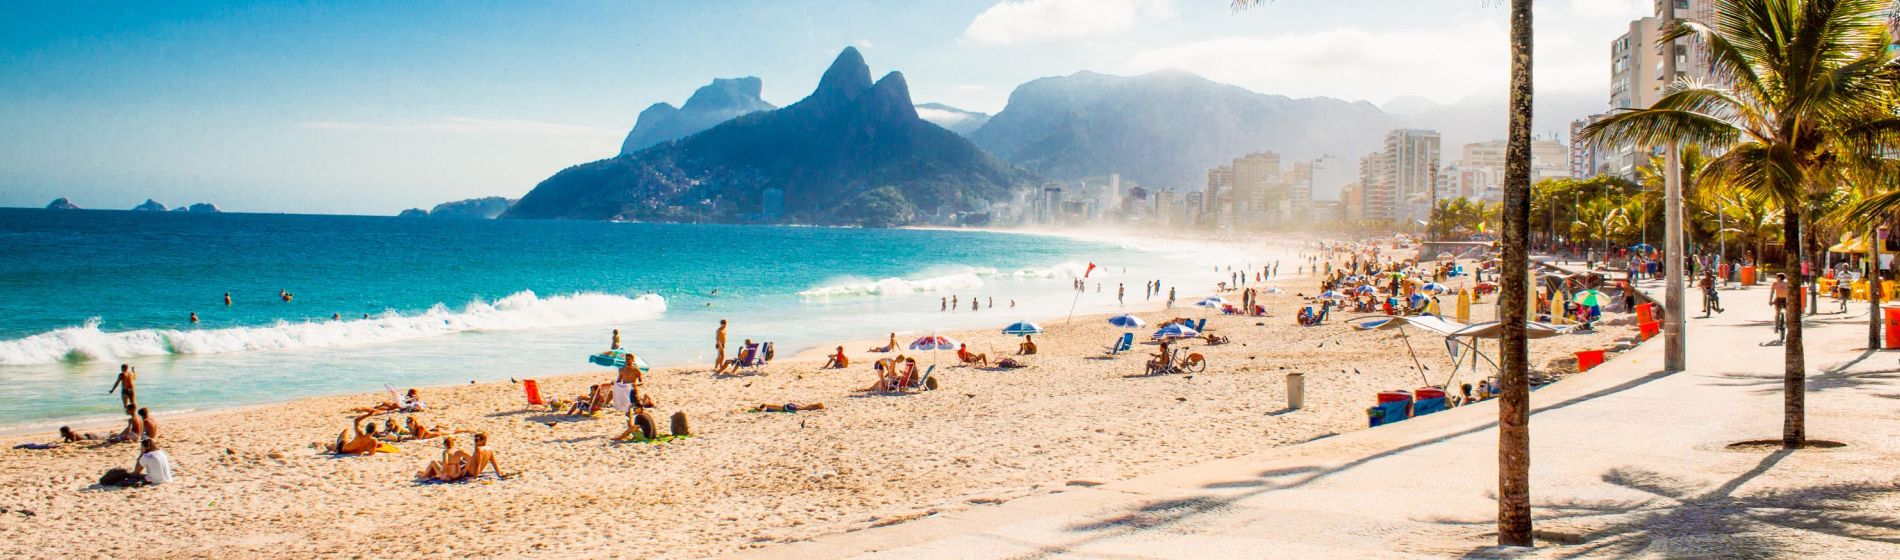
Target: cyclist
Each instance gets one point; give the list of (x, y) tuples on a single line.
[(1778, 297)]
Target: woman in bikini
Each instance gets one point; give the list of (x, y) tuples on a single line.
[(419, 431), (452, 467)]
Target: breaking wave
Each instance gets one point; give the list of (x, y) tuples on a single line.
[(520, 311), (967, 278)]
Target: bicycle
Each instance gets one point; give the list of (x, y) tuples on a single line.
[(1781, 322)]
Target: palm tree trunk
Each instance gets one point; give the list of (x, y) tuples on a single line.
[(1514, 429), (1873, 288), (1794, 380)]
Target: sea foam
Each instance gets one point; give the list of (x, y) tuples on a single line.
[(966, 278), (520, 311)]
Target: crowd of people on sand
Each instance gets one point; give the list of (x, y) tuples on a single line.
[(152, 465)]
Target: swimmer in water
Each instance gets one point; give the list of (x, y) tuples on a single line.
[(336, 316), (227, 299), (194, 317)]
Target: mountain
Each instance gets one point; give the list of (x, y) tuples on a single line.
[(413, 213), (956, 120), (150, 206), (481, 208), (1167, 128), (62, 204), (852, 152), (202, 207), (710, 105)]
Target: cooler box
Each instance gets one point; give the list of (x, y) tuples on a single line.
[(1649, 329), (1430, 399), (1588, 359), (1387, 413), (1748, 276), (1893, 326)]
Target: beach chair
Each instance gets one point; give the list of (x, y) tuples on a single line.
[(534, 392), (1126, 342), (749, 357), (1201, 326), (923, 382)]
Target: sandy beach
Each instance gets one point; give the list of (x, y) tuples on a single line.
[(252, 483)]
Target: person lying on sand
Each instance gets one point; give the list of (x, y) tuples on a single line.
[(450, 468), (482, 459), (790, 407), (66, 434), (356, 441), (838, 360), (417, 430), (1010, 363), (888, 346), (969, 358), (1214, 339), (1028, 347)]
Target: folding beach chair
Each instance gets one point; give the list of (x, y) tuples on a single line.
[(749, 357), (534, 392), (1126, 342)]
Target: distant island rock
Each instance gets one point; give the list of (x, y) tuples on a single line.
[(63, 204), (721, 101), (485, 208), (150, 206), (202, 207), (956, 120), (854, 152)]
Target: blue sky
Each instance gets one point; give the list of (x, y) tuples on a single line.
[(372, 107)]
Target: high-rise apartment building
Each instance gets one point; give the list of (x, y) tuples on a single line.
[(1255, 176), (1412, 170), (1377, 194), (1586, 159)]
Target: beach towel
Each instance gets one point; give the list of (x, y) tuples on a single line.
[(623, 396), (385, 447)]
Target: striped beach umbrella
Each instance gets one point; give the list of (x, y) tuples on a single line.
[(1021, 328), (1127, 321), (1176, 330)]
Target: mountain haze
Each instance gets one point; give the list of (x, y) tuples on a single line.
[(710, 105), (956, 120), (1167, 128), (853, 152)]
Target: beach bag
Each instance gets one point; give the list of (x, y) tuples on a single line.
[(115, 477), (679, 425)]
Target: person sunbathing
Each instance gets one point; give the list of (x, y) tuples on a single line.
[(418, 430), (1163, 359), (838, 360), (356, 441), (482, 459), (970, 358), (790, 407), (888, 346), (1215, 339), (452, 466), (1028, 347), (66, 434), (595, 400)]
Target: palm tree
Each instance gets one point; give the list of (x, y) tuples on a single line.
[(1805, 76)]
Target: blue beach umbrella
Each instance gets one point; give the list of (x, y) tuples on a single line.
[(1214, 302), (1176, 330), (1363, 289), (1435, 288), (1330, 294), (1127, 321), (618, 358), (1021, 328)]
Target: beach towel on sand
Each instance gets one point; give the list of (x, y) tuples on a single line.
[(623, 396)]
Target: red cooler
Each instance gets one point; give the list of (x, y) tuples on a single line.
[(1588, 359), (1394, 396)]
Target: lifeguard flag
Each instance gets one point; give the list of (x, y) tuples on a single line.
[(1085, 273)]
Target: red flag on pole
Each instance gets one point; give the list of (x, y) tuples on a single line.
[(1085, 273)]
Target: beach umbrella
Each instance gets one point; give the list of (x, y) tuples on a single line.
[(1127, 321), (1589, 298), (1363, 289), (1213, 302), (618, 358), (1435, 287), (1330, 294), (1176, 330), (933, 343), (1021, 328)]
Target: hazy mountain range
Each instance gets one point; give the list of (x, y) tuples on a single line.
[(853, 152)]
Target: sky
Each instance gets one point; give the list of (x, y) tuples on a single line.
[(373, 107)]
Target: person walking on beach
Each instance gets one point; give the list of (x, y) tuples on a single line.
[(973, 304), (1170, 297), (953, 302), (943, 303), (1121, 293), (719, 344), (991, 304), (127, 394)]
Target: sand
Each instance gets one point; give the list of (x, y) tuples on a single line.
[(251, 484)]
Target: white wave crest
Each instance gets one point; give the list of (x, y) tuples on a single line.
[(520, 311)]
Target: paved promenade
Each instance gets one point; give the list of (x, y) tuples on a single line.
[(1626, 462)]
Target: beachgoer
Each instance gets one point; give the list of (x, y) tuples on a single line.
[(411, 402), (973, 304), (616, 343), (1710, 299), (66, 434), (1121, 293), (227, 299), (418, 430), (483, 459), (838, 360), (595, 400), (990, 303), (789, 407), (970, 358), (147, 427), (194, 317), (640, 425), (1163, 359), (719, 344), (336, 316), (1778, 297), (1028, 346), (356, 441), (448, 469), (153, 465), (134, 430), (127, 377), (943, 303)]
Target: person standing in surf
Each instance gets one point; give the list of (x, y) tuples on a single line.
[(127, 394), (719, 344)]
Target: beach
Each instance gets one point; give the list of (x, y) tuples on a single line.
[(252, 483)]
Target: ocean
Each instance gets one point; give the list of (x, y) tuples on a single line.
[(420, 302)]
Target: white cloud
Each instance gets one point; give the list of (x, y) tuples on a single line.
[(1021, 21), (1443, 62), (864, 43), (470, 125), (941, 117)]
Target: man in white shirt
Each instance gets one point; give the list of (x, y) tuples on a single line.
[(153, 464)]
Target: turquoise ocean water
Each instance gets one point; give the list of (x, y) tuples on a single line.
[(448, 301)]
